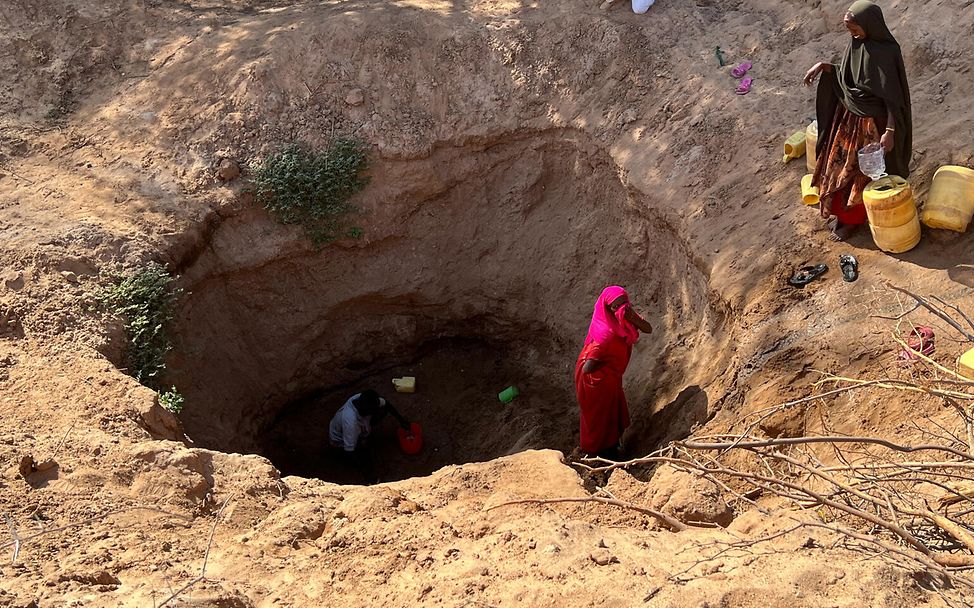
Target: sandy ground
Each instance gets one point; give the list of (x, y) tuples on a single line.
[(524, 155)]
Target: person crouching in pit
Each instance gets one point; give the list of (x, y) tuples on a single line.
[(351, 425)]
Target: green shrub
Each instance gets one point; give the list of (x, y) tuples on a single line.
[(146, 302), (311, 188), (172, 400)]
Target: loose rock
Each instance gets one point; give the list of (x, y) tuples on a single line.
[(228, 170), (603, 557), (97, 577), (355, 97)]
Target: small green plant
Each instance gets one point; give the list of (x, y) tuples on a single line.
[(312, 188), (146, 302), (172, 400)]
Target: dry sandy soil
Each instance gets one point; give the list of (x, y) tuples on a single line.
[(523, 155)]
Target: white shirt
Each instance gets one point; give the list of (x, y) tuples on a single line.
[(348, 427)]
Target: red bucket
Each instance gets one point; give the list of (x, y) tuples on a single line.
[(411, 441)]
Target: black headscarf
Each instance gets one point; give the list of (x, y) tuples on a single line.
[(871, 81)]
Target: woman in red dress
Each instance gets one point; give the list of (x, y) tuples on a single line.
[(604, 415)]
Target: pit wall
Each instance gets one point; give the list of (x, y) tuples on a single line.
[(509, 241)]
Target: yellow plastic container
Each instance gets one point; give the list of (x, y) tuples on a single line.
[(889, 202), (897, 239), (892, 214), (406, 384), (809, 192), (794, 146), (965, 365), (811, 141), (951, 201)]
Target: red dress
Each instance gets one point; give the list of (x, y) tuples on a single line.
[(604, 411)]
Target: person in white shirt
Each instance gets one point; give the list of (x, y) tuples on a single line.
[(351, 425)]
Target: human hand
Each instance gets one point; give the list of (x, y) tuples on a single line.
[(887, 141), (811, 74)]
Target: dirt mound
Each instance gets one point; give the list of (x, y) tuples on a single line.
[(523, 156)]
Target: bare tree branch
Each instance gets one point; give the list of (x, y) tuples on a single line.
[(935, 310), (833, 439), (17, 540), (206, 557)]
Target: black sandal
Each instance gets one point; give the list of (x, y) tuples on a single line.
[(850, 267), (806, 274)]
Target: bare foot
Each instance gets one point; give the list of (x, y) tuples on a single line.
[(840, 232)]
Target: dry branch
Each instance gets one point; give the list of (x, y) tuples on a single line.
[(833, 439), (206, 557), (16, 538), (956, 309), (57, 448), (937, 311)]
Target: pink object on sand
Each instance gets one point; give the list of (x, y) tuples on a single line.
[(920, 340), (605, 325), (745, 87), (742, 69)]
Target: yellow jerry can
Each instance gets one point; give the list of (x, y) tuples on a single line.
[(794, 146), (892, 214), (809, 192), (951, 201)]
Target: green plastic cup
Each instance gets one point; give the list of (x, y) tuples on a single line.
[(508, 394)]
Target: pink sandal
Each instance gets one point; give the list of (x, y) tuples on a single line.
[(745, 87), (920, 340), (741, 70)]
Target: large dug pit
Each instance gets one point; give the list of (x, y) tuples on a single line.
[(457, 406), (479, 269)]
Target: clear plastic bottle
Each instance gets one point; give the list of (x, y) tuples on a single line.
[(872, 161)]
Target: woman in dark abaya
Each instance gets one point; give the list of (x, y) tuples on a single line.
[(864, 99)]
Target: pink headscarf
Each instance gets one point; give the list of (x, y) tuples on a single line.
[(605, 325)]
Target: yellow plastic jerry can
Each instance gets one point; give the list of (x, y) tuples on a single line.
[(965, 365), (889, 202), (897, 239), (406, 384), (794, 146), (892, 214), (951, 201), (809, 192)]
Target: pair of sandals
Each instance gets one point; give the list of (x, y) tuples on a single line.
[(806, 274), (745, 85)]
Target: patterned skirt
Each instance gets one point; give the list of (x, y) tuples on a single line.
[(837, 175)]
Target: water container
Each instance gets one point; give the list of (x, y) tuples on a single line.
[(411, 441), (965, 365), (898, 239), (794, 146), (508, 394), (811, 141), (872, 160), (893, 219), (406, 384), (809, 192), (889, 202), (951, 201)]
